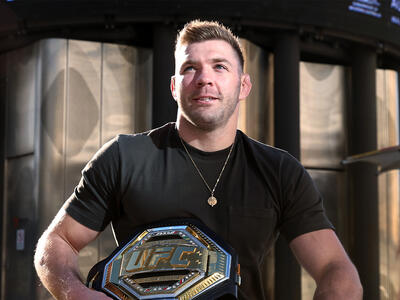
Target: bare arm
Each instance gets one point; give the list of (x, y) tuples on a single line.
[(56, 258), (322, 255)]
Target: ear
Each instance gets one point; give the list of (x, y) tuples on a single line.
[(172, 87), (245, 86)]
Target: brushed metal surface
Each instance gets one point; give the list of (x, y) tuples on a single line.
[(126, 105), (19, 71), (256, 120), (3, 231), (256, 111), (83, 101), (143, 89), (19, 215), (387, 88), (118, 107), (77, 95), (51, 152), (49, 148), (117, 90), (83, 108), (333, 188), (21, 94), (389, 246), (322, 115), (126, 90)]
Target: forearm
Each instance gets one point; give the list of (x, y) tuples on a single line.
[(339, 282), (56, 263)]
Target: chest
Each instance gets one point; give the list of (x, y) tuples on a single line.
[(170, 186)]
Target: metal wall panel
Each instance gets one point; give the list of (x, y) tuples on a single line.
[(322, 115), (388, 186), (21, 94), (143, 89), (3, 87), (76, 95), (19, 224), (323, 144), (118, 90), (332, 186), (126, 104), (126, 90), (20, 71), (50, 152), (117, 109), (51, 120), (256, 120), (256, 111), (83, 109)]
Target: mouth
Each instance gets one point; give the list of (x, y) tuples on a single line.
[(205, 99)]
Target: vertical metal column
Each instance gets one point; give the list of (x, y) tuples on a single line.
[(164, 107), (398, 107), (364, 182), (20, 198), (3, 83), (287, 136)]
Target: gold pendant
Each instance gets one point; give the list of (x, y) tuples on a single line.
[(212, 201)]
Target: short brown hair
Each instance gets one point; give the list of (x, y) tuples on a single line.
[(200, 31)]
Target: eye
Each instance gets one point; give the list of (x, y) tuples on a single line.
[(187, 69), (220, 67)]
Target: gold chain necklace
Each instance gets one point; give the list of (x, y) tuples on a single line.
[(211, 200)]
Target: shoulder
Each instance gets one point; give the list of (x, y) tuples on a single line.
[(147, 144), (264, 151), (270, 160), (154, 137)]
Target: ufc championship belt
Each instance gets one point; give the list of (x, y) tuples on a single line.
[(171, 260)]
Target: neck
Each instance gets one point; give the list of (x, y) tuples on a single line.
[(207, 140)]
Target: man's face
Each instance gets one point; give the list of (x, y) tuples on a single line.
[(208, 83)]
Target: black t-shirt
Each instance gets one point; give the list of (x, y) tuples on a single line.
[(144, 178)]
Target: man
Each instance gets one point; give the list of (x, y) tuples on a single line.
[(201, 167)]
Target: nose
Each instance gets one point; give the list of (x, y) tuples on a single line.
[(204, 77)]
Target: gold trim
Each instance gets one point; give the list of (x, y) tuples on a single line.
[(201, 286), (110, 286), (132, 243), (198, 237)]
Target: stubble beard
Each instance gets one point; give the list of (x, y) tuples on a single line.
[(209, 121)]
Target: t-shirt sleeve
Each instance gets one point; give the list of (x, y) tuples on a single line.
[(302, 207), (93, 201)]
